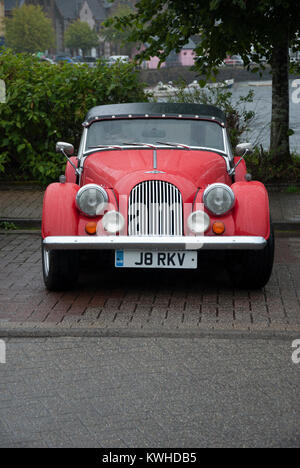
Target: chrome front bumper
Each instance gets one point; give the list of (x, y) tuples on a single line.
[(154, 243)]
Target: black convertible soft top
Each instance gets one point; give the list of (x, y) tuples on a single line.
[(145, 109)]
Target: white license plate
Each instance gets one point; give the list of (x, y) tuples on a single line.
[(154, 259)]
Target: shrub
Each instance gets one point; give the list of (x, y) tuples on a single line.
[(264, 166), (46, 103), (8, 226)]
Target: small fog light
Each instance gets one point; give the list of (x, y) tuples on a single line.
[(113, 222), (198, 222), (218, 227)]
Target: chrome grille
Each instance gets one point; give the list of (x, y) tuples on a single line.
[(155, 209)]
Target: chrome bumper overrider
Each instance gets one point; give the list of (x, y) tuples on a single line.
[(154, 243)]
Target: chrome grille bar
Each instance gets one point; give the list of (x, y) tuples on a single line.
[(155, 209)]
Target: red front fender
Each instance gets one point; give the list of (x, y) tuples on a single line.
[(251, 212), (60, 215)]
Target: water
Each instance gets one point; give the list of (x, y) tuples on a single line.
[(259, 133)]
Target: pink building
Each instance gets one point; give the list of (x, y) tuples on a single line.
[(186, 57), (153, 63), (187, 54)]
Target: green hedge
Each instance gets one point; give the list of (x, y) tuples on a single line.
[(46, 103)]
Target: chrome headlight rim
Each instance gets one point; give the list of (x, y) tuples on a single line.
[(218, 186), (102, 205)]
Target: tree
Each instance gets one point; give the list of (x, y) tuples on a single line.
[(267, 28), (119, 38), (80, 36), (29, 30)]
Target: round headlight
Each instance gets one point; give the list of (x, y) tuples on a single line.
[(218, 198), (113, 222), (198, 222), (91, 199)]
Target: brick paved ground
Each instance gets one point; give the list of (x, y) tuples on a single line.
[(124, 392), (147, 392), (108, 299), (27, 204), (21, 204)]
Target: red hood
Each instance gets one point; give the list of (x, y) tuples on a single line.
[(122, 170)]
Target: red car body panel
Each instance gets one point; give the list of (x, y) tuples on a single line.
[(69, 172), (227, 219), (124, 169), (251, 213), (113, 205), (190, 171), (240, 171), (60, 214)]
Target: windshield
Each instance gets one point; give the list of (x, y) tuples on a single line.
[(201, 133)]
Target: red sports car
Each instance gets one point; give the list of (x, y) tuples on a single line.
[(157, 184)]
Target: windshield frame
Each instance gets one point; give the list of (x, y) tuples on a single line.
[(83, 152)]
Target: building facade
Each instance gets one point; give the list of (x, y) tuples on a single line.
[(9, 5), (186, 58), (64, 12)]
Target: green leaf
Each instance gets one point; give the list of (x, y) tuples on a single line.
[(61, 97)]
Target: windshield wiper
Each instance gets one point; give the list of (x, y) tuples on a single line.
[(126, 143), (149, 145), (105, 146), (168, 143)]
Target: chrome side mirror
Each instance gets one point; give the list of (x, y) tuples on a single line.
[(243, 148), (67, 148)]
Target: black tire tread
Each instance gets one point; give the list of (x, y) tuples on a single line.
[(63, 270), (255, 266)]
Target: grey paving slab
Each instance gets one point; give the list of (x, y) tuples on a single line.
[(285, 207), (150, 393)]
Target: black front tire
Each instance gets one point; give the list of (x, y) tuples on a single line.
[(252, 269), (60, 269)]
